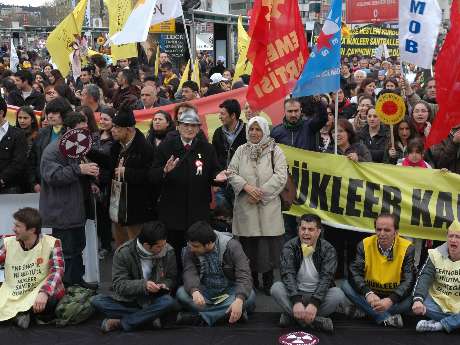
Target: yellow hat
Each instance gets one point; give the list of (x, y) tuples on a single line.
[(455, 226)]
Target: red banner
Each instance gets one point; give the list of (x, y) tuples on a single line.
[(372, 11), (208, 108)]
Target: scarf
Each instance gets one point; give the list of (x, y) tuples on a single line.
[(292, 126), (256, 150), (408, 163), (144, 254), (307, 250)]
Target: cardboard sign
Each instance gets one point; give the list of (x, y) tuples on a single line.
[(76, 143), (390, 108)]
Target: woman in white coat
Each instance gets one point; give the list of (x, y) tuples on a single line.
[(258, 174)]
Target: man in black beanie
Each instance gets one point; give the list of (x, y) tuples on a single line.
[(130, 159)]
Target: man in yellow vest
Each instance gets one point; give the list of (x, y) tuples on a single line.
[(383, 273), (437, 290), (34, 267)]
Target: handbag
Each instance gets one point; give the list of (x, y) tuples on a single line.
[(118, 209), (288, 194)]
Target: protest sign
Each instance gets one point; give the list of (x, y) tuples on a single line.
[(365, 40), (351, 195)]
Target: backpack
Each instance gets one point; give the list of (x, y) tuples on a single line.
[(75, 307)]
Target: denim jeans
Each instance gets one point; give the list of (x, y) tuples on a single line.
[(402, 307), (132, 315), (449, 321), (331, 301), (73, 242), (212, 313)]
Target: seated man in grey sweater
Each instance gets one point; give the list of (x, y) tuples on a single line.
[(217, 278), (306, 291), (144, 272)]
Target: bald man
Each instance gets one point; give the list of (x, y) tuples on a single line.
[(150, 99), (437, 291)]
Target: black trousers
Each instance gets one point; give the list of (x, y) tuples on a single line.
[(73, 242), (176, 238)]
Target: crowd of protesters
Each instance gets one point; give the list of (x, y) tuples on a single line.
[(174, 172)]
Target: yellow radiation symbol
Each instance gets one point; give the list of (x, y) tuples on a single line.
[(390, 108), (101, 40)]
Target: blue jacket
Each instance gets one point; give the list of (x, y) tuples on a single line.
[(304, 137)]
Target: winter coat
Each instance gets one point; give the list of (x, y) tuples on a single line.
[(304, 136), (224, 150), (376, 144), (447, 153), (325, 261), (235, 266), (128, 280), (62, 201), (36, 100), (13, 158), (360, 149), (263, 218), (137, 161), (184, 195)]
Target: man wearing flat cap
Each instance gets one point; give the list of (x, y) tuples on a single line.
[(437, 291), (184, 169), (130, 159)]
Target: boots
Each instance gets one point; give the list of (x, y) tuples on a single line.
[(267, 279)]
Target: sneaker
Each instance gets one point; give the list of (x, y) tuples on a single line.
[(189, 319), (428, 326), (157, 323), (285, 320), (323, 324), (22, 320), (110, 325), (394, 321)]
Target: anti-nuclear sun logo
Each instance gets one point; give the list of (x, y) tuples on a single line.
[(273, 10)]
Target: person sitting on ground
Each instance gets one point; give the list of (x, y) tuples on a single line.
[(217, 278), (144, 273), (436, 293), (34, 267), (383, 273), (306, 291)]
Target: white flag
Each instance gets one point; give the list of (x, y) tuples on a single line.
[(419, 23), (166, 10), (14, 60), (137, 26)]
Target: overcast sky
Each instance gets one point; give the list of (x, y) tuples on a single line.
[(23, 2)]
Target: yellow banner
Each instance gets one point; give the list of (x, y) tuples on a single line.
[(61, 38), (168, 26), (119, 11), (350, 195), (243, 65)]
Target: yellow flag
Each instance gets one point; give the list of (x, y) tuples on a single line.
[(345, 30), (119, 11), (157, 60), (184, 75), (61, 38), (243, 66), (196, 72)]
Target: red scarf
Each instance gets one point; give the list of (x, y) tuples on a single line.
[(408, 163)]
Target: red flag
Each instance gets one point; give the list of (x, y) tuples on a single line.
[(447, 75), (278, 50)]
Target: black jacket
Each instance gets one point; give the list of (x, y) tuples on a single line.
[(35, 100), (137, 160), (376, 145), (39, 145), (325, 261), (356, 276), (13, 158), (224, 150), (184, 195)]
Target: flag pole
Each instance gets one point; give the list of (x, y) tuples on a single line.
[(188, 42), (336, 119)]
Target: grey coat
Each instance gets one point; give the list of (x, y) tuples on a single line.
[(235, 266), (62, 202), (128, 280)]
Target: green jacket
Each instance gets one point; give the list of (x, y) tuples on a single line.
[(128, 280)]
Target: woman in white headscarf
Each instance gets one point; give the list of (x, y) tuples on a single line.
[(258, 174)]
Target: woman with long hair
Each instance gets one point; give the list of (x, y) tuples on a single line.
[(402, 133), (26, 120), (421, 117), (161, 124), (374, 135)]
